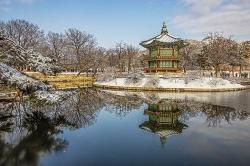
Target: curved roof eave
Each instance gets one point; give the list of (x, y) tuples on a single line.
[(162, 38)]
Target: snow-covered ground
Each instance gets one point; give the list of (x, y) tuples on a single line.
[(201, 83), (18, 79)]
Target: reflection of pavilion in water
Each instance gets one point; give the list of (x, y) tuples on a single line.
[(163, 119)]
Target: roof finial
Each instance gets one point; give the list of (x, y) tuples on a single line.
[(164, 28)]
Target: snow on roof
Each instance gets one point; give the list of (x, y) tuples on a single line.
[(164, 38), (163, 133), (166, 133)]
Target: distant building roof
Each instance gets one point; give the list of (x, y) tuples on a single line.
[(164, 37)]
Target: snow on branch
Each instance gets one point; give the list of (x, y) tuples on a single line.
[(12, 77), (14, 55)]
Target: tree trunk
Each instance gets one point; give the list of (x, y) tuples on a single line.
[(184, 69), (78, 58), (216, 70), (129, 64), (233, 70), (240, 69)]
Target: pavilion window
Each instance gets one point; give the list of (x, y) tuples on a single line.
[(166, 52), (153, 53), (153, 107), (165, 107), (152, 64), (176, 52), (166, 63)]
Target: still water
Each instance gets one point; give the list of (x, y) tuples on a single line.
[(124, 128)]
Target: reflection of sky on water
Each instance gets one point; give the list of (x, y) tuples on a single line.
[(97, 128)]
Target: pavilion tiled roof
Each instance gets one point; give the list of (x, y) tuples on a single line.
[(164, 37)]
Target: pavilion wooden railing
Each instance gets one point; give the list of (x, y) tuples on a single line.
[(162, 58), (161, 69)]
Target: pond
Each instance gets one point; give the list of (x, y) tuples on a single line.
[(95, 127)]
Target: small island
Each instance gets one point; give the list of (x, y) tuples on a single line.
[(164, 72)]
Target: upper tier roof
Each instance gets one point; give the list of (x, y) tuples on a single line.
[(164, 38)]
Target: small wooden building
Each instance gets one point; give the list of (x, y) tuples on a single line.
[(163, 52)]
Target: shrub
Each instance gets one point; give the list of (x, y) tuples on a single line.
[(153, 81), (244, 75), (192, 75), (216, 81), (108, 75), (134, 78)]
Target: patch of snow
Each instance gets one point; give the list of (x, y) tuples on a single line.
[(41, 63), (18, 79), (201, 83)]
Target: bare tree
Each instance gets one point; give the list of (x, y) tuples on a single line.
[(94, 61), (112, 60), (217, 50), (120, 52), (131, 57), (56, 42), (124, 57), (2, 25), (81, 42), (189, 54), (235, 56), (245, 48), (25, 34), (244, 51)]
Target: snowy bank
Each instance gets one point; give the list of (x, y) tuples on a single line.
[(171, 84), (17, 79)]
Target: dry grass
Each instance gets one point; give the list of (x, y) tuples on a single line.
[(6, 89), (64, 81)]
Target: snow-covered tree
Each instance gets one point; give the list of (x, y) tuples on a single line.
[(13, 55)]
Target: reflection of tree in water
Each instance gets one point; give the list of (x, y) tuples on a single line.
[(167, 117), (121, 105), (80, 109), (5, 127), (29, 130), (41, 138), (5, 123), (35, 129), (215, 114)]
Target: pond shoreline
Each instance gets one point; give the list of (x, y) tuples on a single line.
[(170, 89)]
